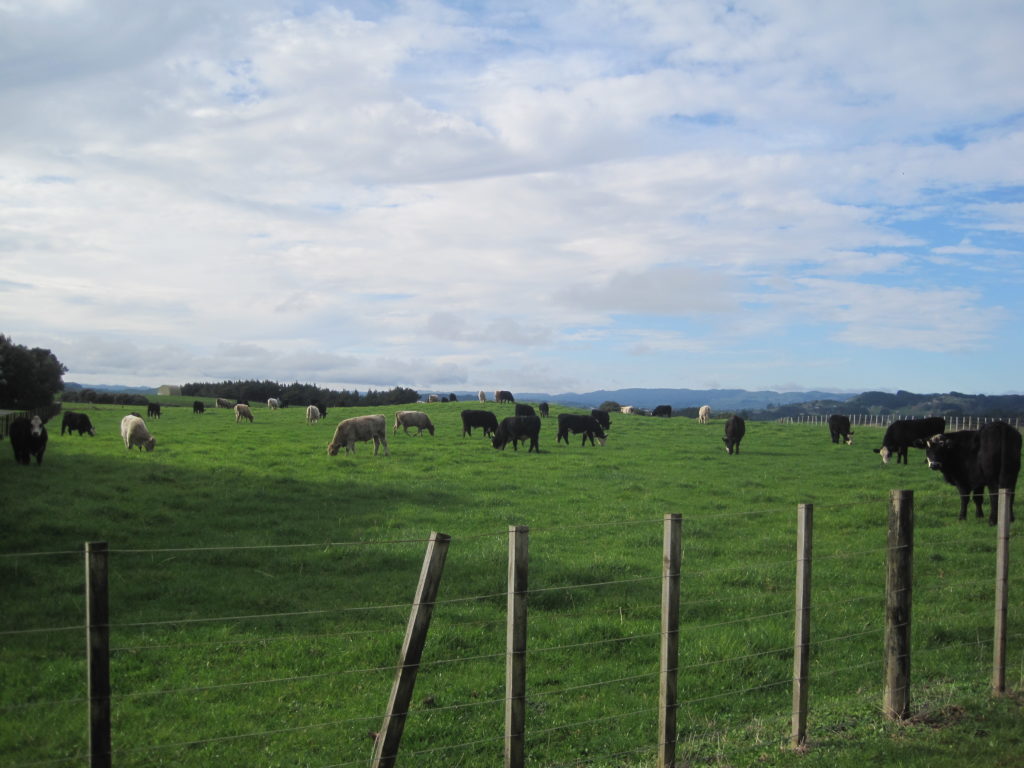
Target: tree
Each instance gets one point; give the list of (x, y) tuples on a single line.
[(610, 406), (29, 378)]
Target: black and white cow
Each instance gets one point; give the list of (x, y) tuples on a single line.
[(28, 439), (602, 418), (579, 423), (153, 410), (516, 429), (662, 410), (904, 433), (975, 459), (76, 422), (839, 427), (735, 429), (483, 419), (522, 409)]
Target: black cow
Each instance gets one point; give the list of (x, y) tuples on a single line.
[(153, 409), (76, 421), (503, 396), (602, 418), (975, 459), (522, 409), (662, 410), (735, 429), (198, 407), (904, 433), (839, 426), (483, 419), (544, 410), (28, 439), (577, 423), (516, 429)]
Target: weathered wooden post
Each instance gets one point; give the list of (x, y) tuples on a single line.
[(1002, 592), (388, 739), (97, 635), (802, 633), (669, 681), (515, 644), (898, 601)]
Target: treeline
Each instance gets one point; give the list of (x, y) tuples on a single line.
[(299, 394)]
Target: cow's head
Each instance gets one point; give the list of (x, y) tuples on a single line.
[(150, 444), (885, 453), (935, 450), (332, 448), (37, 425)]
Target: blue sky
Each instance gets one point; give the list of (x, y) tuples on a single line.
[(530, 196)]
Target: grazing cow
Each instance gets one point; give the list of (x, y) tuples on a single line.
[(735, 429), (321, 407), (433, 399), (153, 409), (418, 419), (602, 418), (76, 422), (503, 396), (312, 414), (577, 423), (481, 396), (629, 409), (134, 432), (360, 429), (904, 433), (28, 439), (662, 410), (975, 459), (544, 410), (273, 403), (704, 414), (839, 426), (516, 429), (486, 420), (243, 411), (522, 409), (223, 402), (198, 407)]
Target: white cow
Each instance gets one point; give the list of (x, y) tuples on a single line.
[(360, 429), (628, 409), (273, 403), (418, 419), (704, 414), (243, 411), (134, 432), (481, 396), (312, 414)]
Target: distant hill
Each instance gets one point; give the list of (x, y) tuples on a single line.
[(718, 399), (71, 386)]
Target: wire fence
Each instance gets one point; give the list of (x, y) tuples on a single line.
[(220, 682)]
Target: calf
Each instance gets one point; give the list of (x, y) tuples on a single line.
[(486, 420), (577, 423), (243, 411), (662, 410), (839, 426), (904, 433), (522, 409), (198, 407), (602, 418), (418, 419), (28, 438), (360, 429), (975, 459), (76, 422), (735, 429), (134, 433), (516, 429), (153, 409)]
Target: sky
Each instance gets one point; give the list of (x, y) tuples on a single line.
[(535, 196)]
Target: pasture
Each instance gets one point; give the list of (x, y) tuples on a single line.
[(260, 588)]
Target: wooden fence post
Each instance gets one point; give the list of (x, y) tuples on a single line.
[(898, 601), (669, 683), (802, 633), (97, 635), (388, 739), (515, 648), (1002, 592)]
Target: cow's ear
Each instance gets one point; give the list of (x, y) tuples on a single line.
[(936, 441)]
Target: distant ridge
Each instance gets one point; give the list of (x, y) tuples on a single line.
[(718, 399), (72, 386)]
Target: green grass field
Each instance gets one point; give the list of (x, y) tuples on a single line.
[(260, 588)]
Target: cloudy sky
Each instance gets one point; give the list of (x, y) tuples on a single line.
[(535, 196)]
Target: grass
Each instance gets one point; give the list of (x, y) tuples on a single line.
[(260, 589)]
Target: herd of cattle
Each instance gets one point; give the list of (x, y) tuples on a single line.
[(970, 460)]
